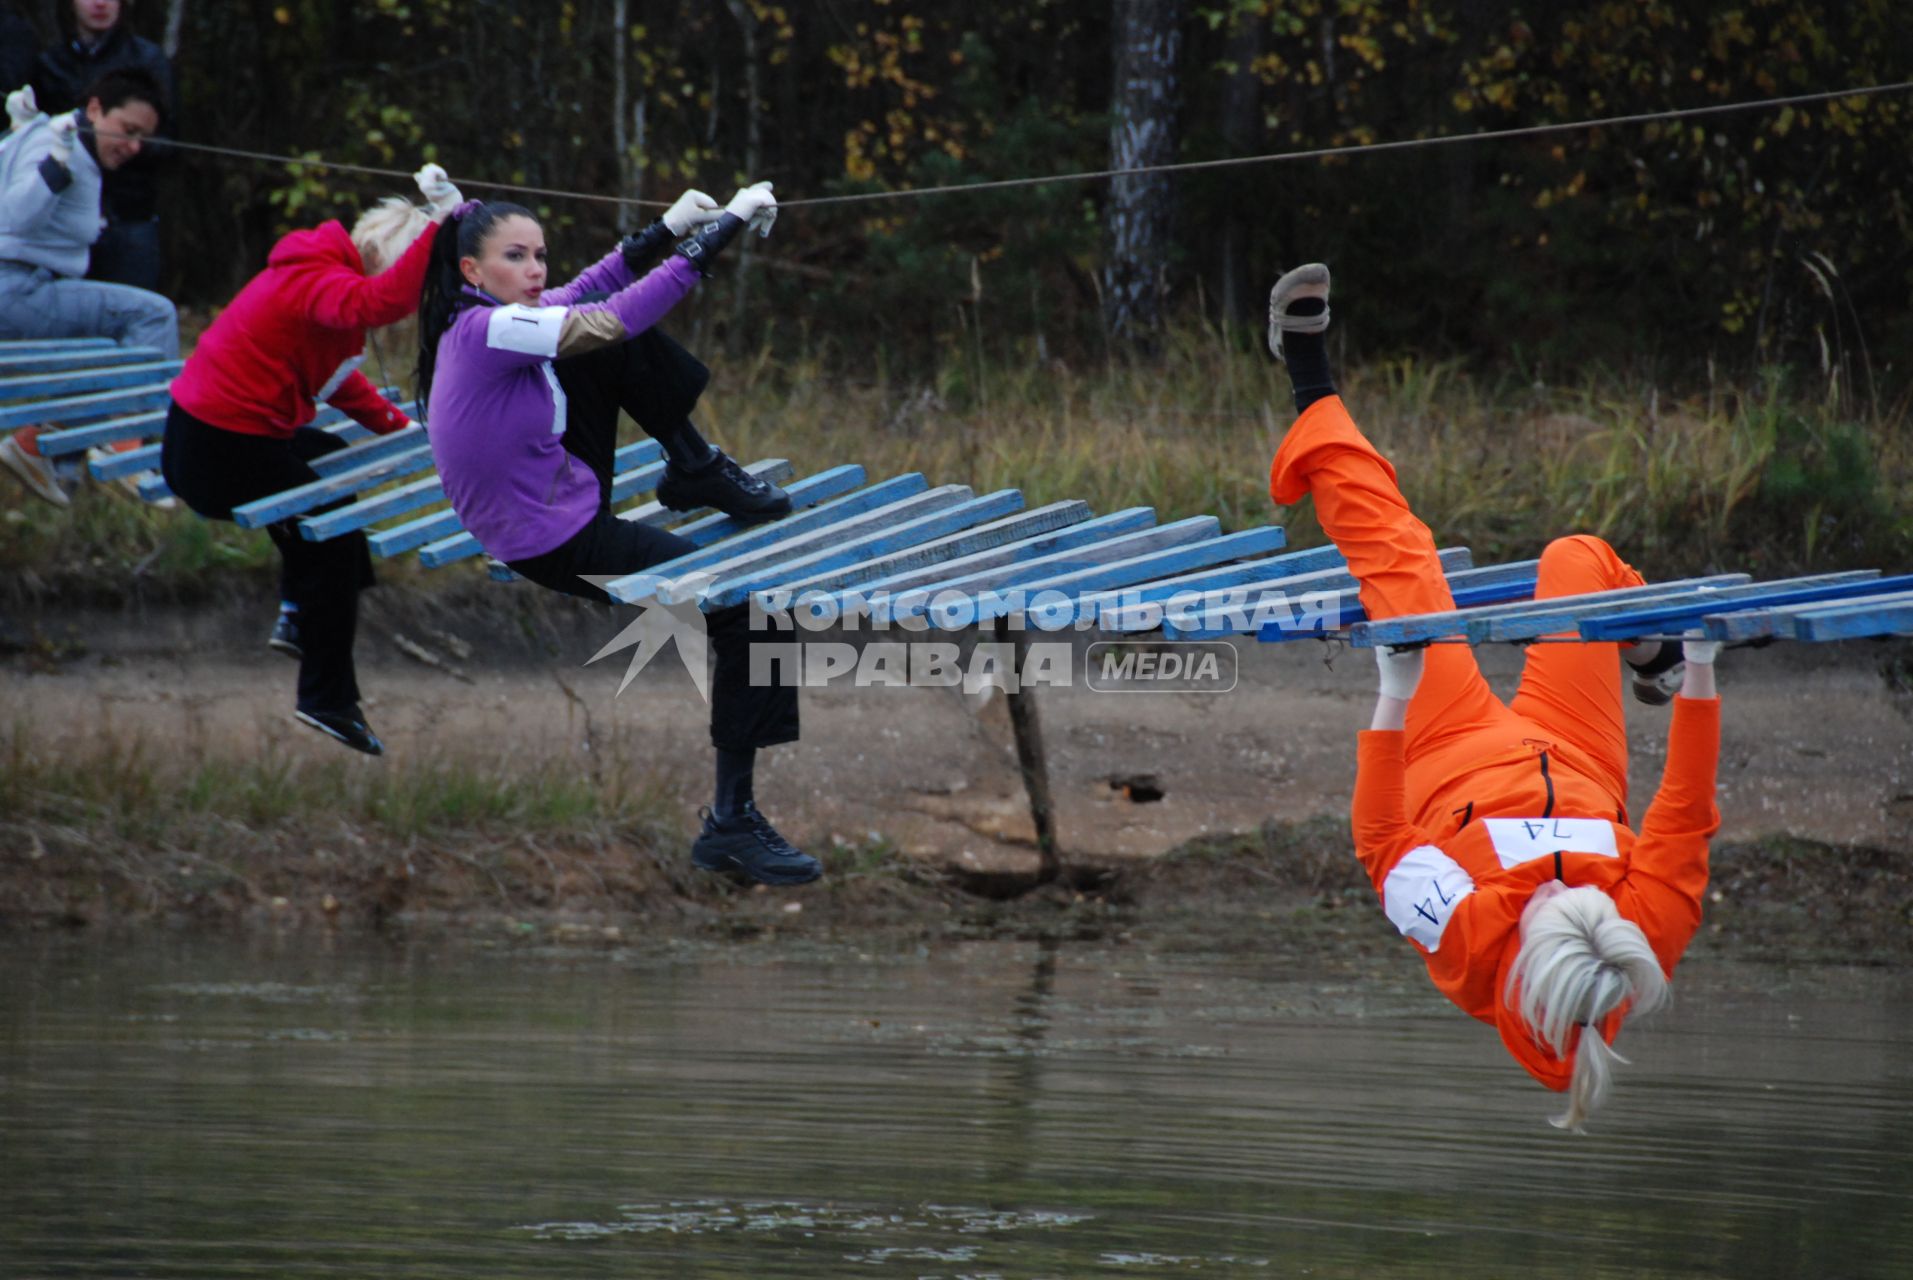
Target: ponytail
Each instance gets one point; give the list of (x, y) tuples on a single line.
[(442, 296)]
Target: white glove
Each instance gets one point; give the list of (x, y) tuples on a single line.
[(1700, 653), (756, 205), (693, 209), (1400, 670), (21, 106), (63, 128), (440, 195)]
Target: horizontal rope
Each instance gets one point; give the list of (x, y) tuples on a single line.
[(1092, 175)]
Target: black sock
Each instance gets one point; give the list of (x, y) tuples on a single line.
[(1306, 355), (733, 783), (685, 448)]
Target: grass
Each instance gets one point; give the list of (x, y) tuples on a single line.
[(1771, 478)]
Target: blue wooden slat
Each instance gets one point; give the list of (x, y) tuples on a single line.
[(937, 552), (73, 382), (1236, 576), (770, 556), (1347, 612), (1132, 571), (146, 457), (1242, 608), (951, 592), (401, 538), (56, 444), (71, 409), (931, 527), (811, 491), (332, 487), (1889, 615), (638, 587), (1421, 627), (893, 586), (60, 360), (1676, 619), (1547, 617), (16, 346)]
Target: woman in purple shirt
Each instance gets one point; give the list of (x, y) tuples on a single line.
[(522, 386)]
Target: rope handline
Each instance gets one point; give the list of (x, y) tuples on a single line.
[(1187, 166)]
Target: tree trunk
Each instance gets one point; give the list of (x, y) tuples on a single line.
[(175, 22), (1241, 131), (630, 159), (1142, 132), (753, 156)]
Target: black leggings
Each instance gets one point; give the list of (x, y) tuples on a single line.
[(213, 470), (657, 382)]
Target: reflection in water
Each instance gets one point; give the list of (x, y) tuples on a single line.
[(200, 1108)]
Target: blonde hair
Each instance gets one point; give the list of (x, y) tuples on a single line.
[(1579, 960), (384, 231)]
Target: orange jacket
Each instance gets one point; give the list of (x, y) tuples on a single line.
[(1458, 893)]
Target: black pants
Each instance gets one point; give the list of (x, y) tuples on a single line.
[(657, 382), (213, 470)]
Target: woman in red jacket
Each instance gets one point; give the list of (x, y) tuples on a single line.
[(237, 429), (1496, 834)]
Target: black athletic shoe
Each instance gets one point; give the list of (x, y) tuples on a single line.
[(722, 484), (1657, 680), (749, 846), (348, 727), (285, 637)]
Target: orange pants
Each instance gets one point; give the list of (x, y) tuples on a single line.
[(1467, 754)]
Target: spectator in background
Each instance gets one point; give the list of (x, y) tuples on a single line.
[(100, 39), (50, 178)]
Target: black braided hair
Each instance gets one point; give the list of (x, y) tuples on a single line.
[(443, 295)]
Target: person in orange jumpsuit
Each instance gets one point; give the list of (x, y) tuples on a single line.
[(1497, 833)]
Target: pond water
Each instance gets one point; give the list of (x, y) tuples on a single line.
[(300, 1106)]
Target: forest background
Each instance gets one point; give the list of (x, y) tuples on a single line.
[(1744, 276)]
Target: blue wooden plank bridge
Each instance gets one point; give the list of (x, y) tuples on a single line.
[(903, 551)]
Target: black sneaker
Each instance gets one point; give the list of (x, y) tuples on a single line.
[(1658, 679), (348, 727), (285, 636), (722, 484), (749, 846)]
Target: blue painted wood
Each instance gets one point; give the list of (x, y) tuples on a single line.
[(1684, 617), (1888, 615), (1068, 589), (401, 538), (882, 591), (1346, 612), (822, 588), (332, 487), (1241, 610), (682, 588), (811, 491), (1547, 617), (1227, 580), (737, 588), (71, 409), (1421, 627), (951, 599), (639, 587), (146, 457), (73, 382), (61, 360), (56, 444), (17, 346)]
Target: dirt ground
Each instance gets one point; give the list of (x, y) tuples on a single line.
[(1817, 743)]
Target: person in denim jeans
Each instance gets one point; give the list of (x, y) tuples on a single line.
[(50, 178)]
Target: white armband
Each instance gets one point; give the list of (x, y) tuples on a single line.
[(531, 331), (1422, 891)]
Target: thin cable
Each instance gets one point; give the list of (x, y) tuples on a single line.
[(1189, 166)]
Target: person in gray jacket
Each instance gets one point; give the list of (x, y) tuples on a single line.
[(50, 176)]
